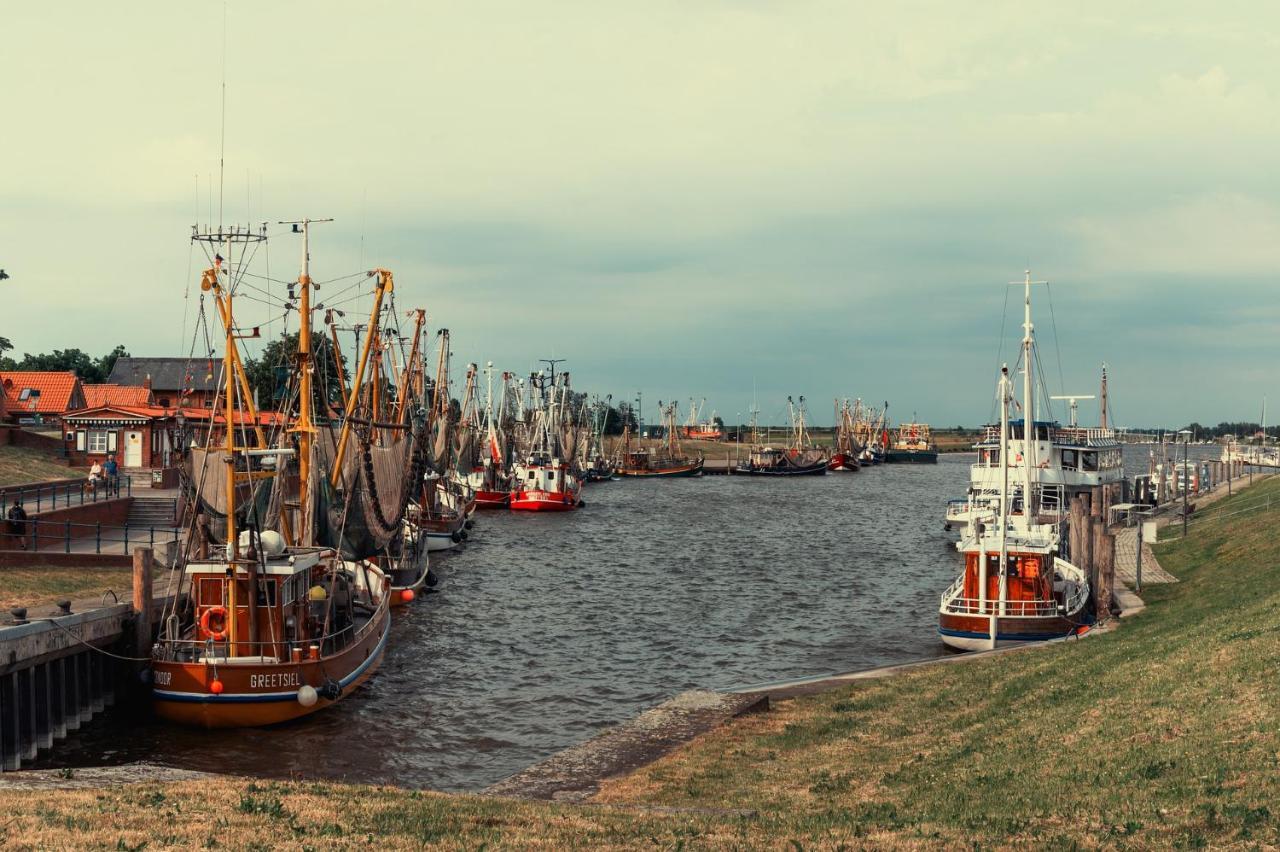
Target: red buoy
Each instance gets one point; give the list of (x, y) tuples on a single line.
[(216, 687), (406, 595)]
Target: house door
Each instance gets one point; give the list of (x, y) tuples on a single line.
[(133, 449)]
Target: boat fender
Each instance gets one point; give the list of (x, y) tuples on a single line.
[(432, 579), (456, 537), (581, 503), (469, 524), (331, 690), (219, 612), (307, 695), (463, 535)]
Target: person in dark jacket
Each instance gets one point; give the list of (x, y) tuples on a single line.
[(17, 521)]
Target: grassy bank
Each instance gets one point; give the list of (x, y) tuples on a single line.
[(20, 465), (39, 586), (1162, 733)]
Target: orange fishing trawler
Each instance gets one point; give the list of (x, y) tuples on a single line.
[(285, 605), (695, 428)]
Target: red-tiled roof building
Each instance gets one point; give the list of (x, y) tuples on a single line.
[(40, 396), (126, 395)]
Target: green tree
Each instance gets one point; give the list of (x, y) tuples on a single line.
[(271, 373)]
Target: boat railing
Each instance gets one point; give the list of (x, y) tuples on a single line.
[(1085, 435), (269, 650), (1077, 582), (1024, 609)]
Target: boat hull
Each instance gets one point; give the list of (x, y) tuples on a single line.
[(819, 469), (844, 462), (493, 499), (543, 501), (973, 632), (911, 457), (690, 469), (259, 694)]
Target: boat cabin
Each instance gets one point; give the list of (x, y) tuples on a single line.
[(284, 620)]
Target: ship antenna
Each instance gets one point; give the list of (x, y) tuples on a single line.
[(222, 148)]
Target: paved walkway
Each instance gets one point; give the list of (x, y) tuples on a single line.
[(1127, 560)]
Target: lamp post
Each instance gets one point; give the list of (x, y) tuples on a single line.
[(1186, 479)]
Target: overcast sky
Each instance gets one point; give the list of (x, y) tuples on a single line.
[(686, 198)]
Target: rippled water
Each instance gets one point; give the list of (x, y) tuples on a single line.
[(548, 628)]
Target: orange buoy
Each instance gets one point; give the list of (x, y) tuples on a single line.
[(406, 595), (216, 687)]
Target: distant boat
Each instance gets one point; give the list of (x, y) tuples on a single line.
[(846, 451), (913, 445), (667, 459), (544, 481), (695, 428), (801, 458)]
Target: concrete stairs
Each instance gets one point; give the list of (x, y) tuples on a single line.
[(155, 512)]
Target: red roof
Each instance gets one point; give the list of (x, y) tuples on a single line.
[(97, 395), (41, 393)]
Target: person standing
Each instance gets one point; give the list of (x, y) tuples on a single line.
[(17, 521), (112, 472), (95, 475)]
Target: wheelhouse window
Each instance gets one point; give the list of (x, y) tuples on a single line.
[(1070, 459), (551, 474), (1089, 460)]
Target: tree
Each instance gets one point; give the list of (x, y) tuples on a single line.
[(270, 374)]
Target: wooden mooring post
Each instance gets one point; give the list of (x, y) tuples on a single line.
[(143, 573)]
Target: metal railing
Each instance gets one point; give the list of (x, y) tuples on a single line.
[(1024, 609), (48, 536), (60, 495)]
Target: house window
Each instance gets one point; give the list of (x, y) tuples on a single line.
[(98, 442), (81, 438)]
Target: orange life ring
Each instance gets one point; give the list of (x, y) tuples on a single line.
[(221, 633)]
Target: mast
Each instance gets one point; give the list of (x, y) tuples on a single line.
[(304, 427), (1005, 394), (1102, 421), (1028, 400)]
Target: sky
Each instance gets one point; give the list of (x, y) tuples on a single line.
[(690, 199)]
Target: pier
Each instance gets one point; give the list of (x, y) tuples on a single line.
[(60, 670)]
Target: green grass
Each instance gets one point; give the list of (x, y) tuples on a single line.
[(40, 585), (1161, 734), (20, 465)]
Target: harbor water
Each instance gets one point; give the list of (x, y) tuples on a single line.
[(546, 629)]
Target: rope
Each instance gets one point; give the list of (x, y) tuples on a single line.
[(90, 645)]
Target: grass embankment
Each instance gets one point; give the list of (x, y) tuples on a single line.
[(38, 586), (1162, 733), (20, 465)]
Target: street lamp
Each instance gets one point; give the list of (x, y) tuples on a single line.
[(1186, 478)]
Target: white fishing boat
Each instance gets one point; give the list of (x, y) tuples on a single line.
[(1014, 587), (1060, 461)]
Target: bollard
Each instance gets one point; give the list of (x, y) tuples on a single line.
[(143, 570), (67, 537)]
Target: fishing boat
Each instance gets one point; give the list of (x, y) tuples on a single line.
[(665, 459), (595, 465), (1014, 587), (697, 429), (490, 477), (912, 445), (288, 608), (800, 458), (870, 433), (544, 480), (846, 451), (1063, 462)]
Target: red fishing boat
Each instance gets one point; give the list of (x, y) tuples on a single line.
[(845, 452), (545, 481)]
